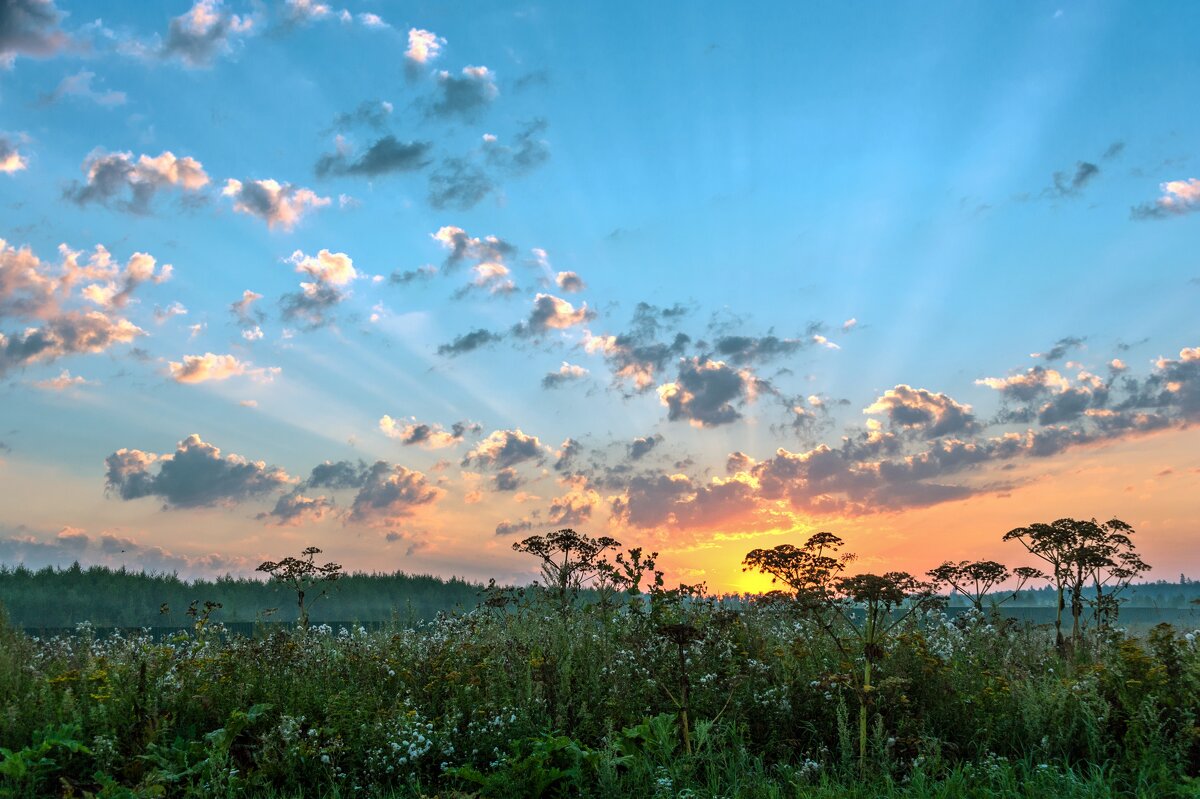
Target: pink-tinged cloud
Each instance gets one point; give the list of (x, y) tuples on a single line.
[(63, 382), (932, 413), (11, 160), (426, 436), (332, 268), (423, 46), (210, 367), (278, 204), (120, 181)]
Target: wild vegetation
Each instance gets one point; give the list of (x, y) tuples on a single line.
[(602, 681)]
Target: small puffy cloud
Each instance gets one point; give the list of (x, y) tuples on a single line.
[(567, 373), (466, 94), (211, 368), (195, 475), (372, 20), (643, 445), (29, 28), (491, 277), (552, 313), (294, 508), (11, 160), (507, 527), (505, 448), (338, 474), (1029, 385), (507, 480), (332, 268), (252, 333), (423, 46), (170, 312), (401, 277), (426, 436), (302, 12), (565, 457), (120, 181), (313, 304), (80, 86), (932, 413), (278, 204), (206, 31), (849, 325), (116, 285), (569, 282), (385, 155), (1178, 197), (463, 247), (468, 342), (1060, 349), (704, 392), (63, 382), (390, 493), (243, 310)]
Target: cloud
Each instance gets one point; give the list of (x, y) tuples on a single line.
[(80, 85), (468, 342), (29, 28), (1071, 184), (653, 501), (63, 382), (117, 180), (749, 349), (552, 313), (242, 308), (294, 508), (527, 152), (423, 46), (510, 528), (459, 184), (569, 282), (331, 268), (566, 373), (491, 277), (426, 436), (704, 392), (463, 247), (1060, 349), (566, 455), (11, 160), (637, 355), (205, 32), (70, 333), (213, 368), (507, 480), (505, 448), (390, 493), (303, 12), (930, 413), (385, 155), (278, 204), (643, 445), (338, 474), (1029, 385), (195, 475), (403, 278), (1178, 197), (464, 95), (117, 285)]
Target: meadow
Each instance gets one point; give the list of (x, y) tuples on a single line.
[(602, 682)]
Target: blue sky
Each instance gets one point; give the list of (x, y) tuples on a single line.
[(907, 200)]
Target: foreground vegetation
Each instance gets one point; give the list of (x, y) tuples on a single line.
[(835, 686)]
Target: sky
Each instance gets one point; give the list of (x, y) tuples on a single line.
[(410, 282)]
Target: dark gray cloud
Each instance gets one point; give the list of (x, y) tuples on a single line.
[(1061, 348), (459, 184), (370, 113), (312, 306), (705, 392), (552, 313), (567, 373), (66, 334), (643, 445), (338, 474), (931, 414), (1072, 184), (203, 33), (503, 449), (195, 475), (404, 277), (119, 181), (468, 342), (1113, 150), (465, 95), (567, 453), (295, 508), (527, 152), (391, 492), (507, 480), (749, 349), (385, 155), (511, 528), (29, 28)]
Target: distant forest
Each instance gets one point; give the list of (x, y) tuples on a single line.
[(53, 598)]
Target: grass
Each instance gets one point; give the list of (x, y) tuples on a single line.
[(521, 698)]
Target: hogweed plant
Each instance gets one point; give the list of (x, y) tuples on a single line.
[(977, 580), (309, 580)]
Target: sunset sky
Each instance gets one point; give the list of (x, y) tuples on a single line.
[(410, 282)]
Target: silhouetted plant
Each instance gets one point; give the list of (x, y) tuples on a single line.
[(976, 579), (304, 576), (570, 560), (809, 570)]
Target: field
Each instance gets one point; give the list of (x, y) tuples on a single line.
[(526, 700)]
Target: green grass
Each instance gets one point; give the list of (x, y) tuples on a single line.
[(527, 701)]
